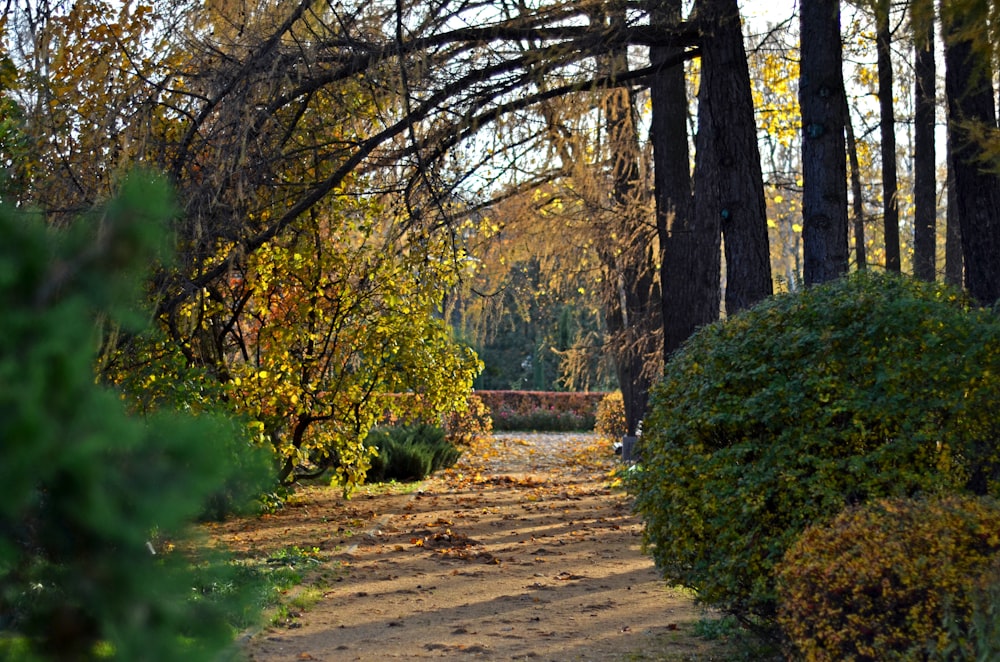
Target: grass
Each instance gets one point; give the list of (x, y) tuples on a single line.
[(286, 582), (390, 487)]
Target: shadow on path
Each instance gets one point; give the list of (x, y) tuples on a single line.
[(522, 551)]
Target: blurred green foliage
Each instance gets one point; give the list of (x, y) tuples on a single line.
[(777, 419), (90, 488)]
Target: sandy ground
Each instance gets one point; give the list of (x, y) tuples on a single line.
[(524, 551)]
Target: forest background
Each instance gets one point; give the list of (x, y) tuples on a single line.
[(383, 198)]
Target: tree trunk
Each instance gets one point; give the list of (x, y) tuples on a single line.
[(729, 186), (632, 313), (690, 296), (924, 166), (633, 316), (953, 267), (887, 126), (857, 193), (824, 171), (972, 110)]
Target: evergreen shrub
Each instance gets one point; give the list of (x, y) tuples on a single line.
[(896, 579), (89, 487), (610, 419), (778, 418), (409, 452)]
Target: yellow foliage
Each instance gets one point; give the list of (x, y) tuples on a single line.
[(895, 580), (328, 335), (610, 423)]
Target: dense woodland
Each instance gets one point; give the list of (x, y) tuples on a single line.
[(368, 192)]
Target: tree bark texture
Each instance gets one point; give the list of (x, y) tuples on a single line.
[(953, 268), (924, 166), (690, 296), (857, 194), (633, 309), (729, 186), (887, 128), (972, 111), (824, 171)]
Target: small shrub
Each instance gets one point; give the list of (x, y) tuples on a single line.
[(778, 418), (714, 629), (892, 580), (408, 453), (466, 426), (610, 420)]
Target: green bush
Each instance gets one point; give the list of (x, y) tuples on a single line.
[(408, 453), (896, 579), (610, 419), (780, 417), (87, 486)]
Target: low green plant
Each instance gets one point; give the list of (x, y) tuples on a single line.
[(294, 555), (981, 631), (717, 628), (780, 417), (610, 419), (409, 452), (896, 579)]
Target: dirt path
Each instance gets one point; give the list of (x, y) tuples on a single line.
[(522, 551)]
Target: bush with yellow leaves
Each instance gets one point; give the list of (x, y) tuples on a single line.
[(610, 424), (467, 425), (897, 579)]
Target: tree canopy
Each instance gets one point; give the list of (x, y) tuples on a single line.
[(352, 177)]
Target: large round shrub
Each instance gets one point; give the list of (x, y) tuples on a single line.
[(780, 417), (897, 579)]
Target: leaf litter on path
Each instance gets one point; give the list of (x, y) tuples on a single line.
[(521, 551)]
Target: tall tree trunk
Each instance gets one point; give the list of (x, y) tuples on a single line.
[(972, 111), (953, 268), (857, 193), (824, 170), (690, 299), (633, 314), (633, 307), (924, 166), (887, 127), (729, 186)]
